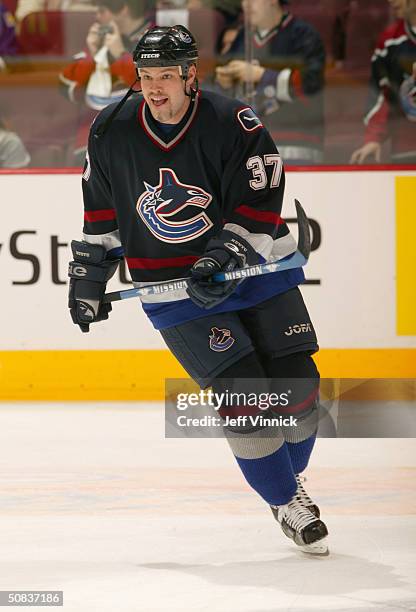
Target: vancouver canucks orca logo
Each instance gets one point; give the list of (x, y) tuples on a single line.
[(220, 339), (158, 206)]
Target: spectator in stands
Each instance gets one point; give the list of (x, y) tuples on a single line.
[(101, 74), (13, 152), (392, 108), (287, 76), (8, 42)]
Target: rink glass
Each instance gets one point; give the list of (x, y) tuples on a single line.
[(54, 129)]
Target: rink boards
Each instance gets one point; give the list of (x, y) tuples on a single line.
[(360, 292)]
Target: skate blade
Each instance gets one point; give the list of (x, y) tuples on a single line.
[(317, 548)]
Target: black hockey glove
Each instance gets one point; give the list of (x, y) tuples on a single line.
[(88, 274), (224, 253)]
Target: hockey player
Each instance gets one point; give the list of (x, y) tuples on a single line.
[(184, 182), (392, 108)]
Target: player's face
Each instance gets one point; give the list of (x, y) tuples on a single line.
[(164, 92)]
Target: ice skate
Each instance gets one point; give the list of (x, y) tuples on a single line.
[(304, 498), (301, 526)]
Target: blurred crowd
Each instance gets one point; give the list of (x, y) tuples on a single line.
[(334, 81)]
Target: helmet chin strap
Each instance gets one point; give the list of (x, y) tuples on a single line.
[(183, 71), (104, 127), (193, 91)]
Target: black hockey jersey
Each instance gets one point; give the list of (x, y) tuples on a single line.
[(163, 196)]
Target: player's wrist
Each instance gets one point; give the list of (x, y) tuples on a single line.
[(235, 246)]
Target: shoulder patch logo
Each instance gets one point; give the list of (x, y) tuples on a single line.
[(248, 119)]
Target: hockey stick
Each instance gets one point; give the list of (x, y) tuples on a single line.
[(297, 260)]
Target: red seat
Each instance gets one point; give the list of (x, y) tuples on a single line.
[(41, 33), (206, 25), (366, 20), (10, 5), (54, 32)]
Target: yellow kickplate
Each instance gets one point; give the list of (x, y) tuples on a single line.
[(406, 255), (140, 375)]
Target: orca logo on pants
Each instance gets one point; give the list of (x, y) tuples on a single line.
[(220, 339)]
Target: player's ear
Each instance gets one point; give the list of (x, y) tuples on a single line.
[(191, 74)]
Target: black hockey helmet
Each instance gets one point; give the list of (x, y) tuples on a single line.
[(166, 46)]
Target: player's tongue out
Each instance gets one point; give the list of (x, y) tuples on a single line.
[(159, 101)]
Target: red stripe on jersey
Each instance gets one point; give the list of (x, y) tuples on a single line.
[(393, 32), (105, 214), (259, 215), (296, 80), (147, 263)]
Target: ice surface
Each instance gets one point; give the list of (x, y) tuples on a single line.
[(95, 502)]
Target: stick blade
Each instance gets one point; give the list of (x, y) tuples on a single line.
[(304, 239)]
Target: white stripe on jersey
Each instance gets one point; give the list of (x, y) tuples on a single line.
[(374, 110), (261, 243), (283, 86), (389, 43), (108, 241)]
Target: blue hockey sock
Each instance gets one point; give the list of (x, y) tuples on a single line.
[(300, 453), (271, 476)]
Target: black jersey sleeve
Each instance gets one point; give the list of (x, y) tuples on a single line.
[(100, 220), (253, 185)]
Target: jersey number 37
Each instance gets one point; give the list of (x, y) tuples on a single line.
[(257, 165)]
